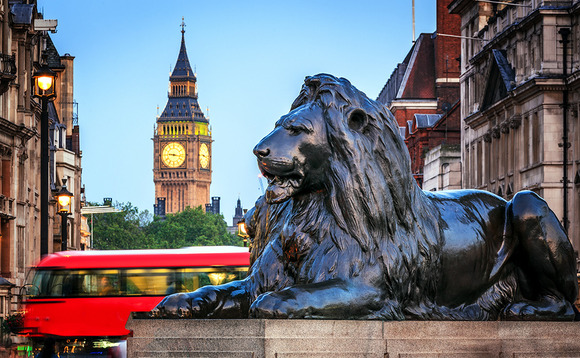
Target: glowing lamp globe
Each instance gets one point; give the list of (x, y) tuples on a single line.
[(64, 199), (44, 82)]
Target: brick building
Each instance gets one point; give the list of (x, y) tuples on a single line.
[(423, 91)]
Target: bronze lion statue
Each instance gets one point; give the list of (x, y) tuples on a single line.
[(344, 232)]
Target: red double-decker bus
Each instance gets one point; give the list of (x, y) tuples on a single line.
[(80, 301)]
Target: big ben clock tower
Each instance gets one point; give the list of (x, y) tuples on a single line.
[(182, 143)]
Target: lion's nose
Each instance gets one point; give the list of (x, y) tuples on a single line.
[(261, 152)]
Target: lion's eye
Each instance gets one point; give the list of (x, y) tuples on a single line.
[(295, 129), (298, 127)]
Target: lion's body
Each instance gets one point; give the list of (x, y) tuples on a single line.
[(343, 231)]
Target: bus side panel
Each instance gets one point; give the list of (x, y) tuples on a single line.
[(83, 317)]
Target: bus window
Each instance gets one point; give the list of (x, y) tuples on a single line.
[(101, 283), (129, 282), (147, 281), (195, 278)]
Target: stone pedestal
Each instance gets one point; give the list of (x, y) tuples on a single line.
[(255, 338)]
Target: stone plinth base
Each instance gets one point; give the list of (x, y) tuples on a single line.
[(254, 338)]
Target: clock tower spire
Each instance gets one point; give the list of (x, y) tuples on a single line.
[(182, 142)]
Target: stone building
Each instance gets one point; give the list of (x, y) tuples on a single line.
[(423, 91), (520, 81), (25, 45), (442, 170), (182, 144)]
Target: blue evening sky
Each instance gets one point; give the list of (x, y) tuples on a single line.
[(250, 57)]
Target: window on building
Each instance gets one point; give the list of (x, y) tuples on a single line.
[(472, 179), (488, 162), (535, 139), (576, 129), (21, 186), (494, 159), (526, 140), (21, 249), (510, 151), (468, 103), (479, 164), (502, 154)]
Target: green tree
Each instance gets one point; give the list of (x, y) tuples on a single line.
[(132, 229), (123, 230), (191, 227)]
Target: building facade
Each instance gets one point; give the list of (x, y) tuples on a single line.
[(182, 144), (25, 46), (520, 82), (423, 91)]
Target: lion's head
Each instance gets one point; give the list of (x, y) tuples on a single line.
[(294, 157), (337, 140)]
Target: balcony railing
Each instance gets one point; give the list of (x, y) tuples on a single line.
[(7, 71)]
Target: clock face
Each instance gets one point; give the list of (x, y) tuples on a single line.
[(204, 156), (173, 155)]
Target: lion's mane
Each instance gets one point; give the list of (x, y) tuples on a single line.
[(372, 211)]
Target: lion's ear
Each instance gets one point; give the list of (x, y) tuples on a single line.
[(357, 120)]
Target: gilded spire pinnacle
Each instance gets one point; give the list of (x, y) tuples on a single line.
[(182, 67)]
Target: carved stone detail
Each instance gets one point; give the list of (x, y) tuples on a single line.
[(515, 121), (505, 127), (495, 132), (487, 137)]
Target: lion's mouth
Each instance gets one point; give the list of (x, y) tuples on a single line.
[(281, 187)]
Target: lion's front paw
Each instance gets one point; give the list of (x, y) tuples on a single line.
[(269, 305), (178, 305), (545, 309)]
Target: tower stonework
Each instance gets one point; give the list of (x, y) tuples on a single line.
[(182, 143)]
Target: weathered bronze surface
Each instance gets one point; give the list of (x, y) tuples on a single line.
[(344, 232)]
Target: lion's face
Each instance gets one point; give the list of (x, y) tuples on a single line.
[(294, 157)]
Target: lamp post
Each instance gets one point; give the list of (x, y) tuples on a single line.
[(242, 231), (64, 204), (44, 89)]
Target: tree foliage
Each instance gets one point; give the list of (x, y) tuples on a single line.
[(132, 229)]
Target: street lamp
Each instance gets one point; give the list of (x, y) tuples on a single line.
[(64, 209), (242, 231), (44, 89)]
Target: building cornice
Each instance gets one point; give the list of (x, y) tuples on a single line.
[(447, 80), (529, 88), (458, 6), (413, 104), (536, 85), (516, 26), (15, 130), (574, 78), (575, 8)]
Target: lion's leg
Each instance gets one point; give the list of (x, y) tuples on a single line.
[(332, 299), (545, 260)]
